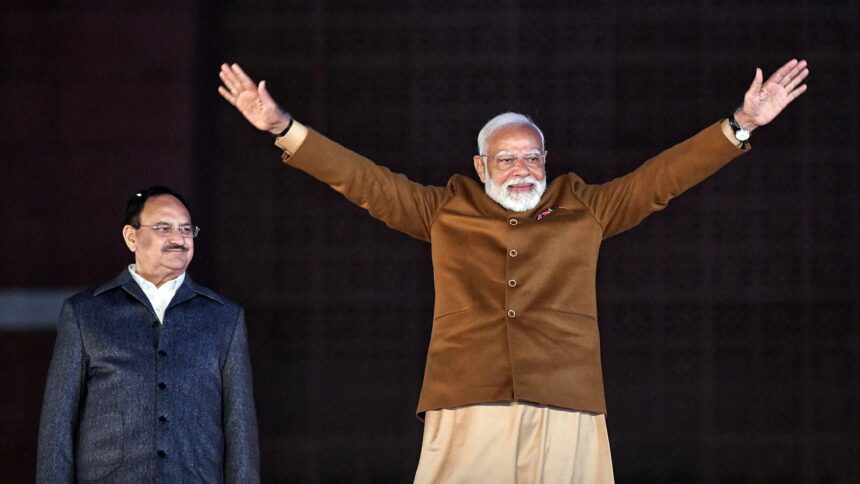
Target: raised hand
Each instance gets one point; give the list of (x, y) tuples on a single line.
[(252, 100), (764, 101)]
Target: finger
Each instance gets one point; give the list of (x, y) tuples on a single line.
[(794, 73), (782, 71), (226, 95), (795, 94), (244, 79), (227, 72), (797, 79), (229, 81)]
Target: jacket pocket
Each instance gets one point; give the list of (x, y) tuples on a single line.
[(573, 312), (100, 443), (450, 313)]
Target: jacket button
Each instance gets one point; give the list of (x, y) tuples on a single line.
[(512, 313), (161, 453), (162, 418), (513, 253), (162, 353), (513, 221), (512, 283), (162, 385)]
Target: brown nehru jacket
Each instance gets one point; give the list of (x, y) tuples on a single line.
[(515, 315)]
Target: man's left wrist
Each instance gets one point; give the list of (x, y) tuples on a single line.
[(283, 129), (745, 121)]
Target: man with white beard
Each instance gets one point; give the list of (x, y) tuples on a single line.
[(513, 388), (523, 184)]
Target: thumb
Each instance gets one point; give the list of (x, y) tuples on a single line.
[(264, 94), (755, 87)]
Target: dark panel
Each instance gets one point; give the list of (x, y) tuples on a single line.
[(729, 321)]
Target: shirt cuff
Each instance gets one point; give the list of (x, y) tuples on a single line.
[(292, 141)]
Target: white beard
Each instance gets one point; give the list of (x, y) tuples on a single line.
[(516, 202)]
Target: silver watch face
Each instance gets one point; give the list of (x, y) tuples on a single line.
[(742, 134)]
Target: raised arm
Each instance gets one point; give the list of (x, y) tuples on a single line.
[(623, 202), (391, 197)]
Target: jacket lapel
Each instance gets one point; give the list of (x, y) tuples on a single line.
[(184, 293), (128, 284), (189, 289)]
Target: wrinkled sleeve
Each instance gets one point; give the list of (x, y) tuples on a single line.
[(390, 197), (622, 203), (242, 448), (59, 421)]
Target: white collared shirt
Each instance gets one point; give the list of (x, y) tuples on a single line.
[(159, 297)]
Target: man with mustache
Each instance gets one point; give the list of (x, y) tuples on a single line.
[(513, 387), (150, 379)]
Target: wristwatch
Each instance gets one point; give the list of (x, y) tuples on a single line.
[(741, 134)]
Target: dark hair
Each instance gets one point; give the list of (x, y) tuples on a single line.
[(135, 204)]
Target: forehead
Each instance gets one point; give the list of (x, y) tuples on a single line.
[(164, 208), (518, 137)]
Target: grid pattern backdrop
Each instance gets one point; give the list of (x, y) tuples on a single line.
[(730, 322)]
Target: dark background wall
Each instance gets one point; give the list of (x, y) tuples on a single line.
[(729, 322)]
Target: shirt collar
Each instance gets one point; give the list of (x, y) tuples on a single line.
[(170, 285)]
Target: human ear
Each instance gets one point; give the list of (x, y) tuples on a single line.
[(129, 235), (479, 167)]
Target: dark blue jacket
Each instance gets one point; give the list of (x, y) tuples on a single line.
[(131, 401)]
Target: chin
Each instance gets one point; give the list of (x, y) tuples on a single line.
[(177, 266), (522, 202)]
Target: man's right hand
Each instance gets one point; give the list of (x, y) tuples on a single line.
[(252, 100)]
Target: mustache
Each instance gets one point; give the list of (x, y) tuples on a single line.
[(518, 180), (171, 247)]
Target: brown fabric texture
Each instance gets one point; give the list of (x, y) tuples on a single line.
[(515, 314)]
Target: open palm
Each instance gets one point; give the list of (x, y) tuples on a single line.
[(252, 100), (764, 101)]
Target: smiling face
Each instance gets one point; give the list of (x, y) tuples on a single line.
[(160, 259), (513, 170)]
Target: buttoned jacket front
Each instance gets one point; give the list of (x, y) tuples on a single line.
[(129, 400), (515, 309)]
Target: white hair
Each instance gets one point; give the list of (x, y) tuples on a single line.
[(500, 121)]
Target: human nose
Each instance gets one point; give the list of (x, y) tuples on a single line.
[(520, 167)]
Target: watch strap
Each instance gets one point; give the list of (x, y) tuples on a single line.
[(741, 134)]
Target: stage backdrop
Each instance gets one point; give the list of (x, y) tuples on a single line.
[(730, 322)]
